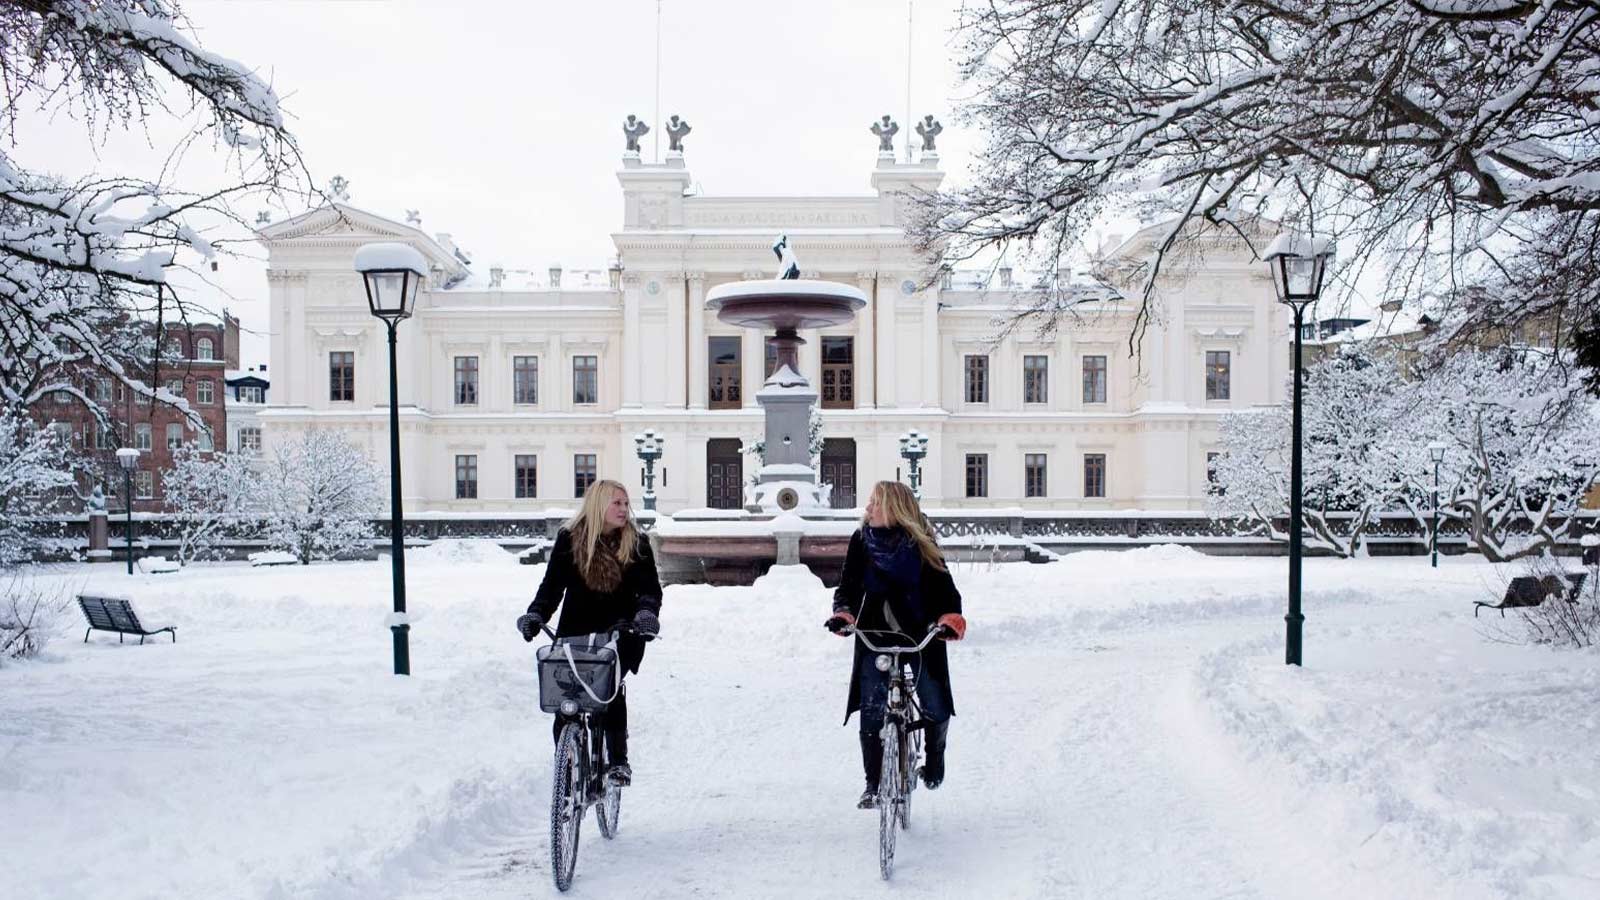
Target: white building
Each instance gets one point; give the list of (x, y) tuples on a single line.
[(245, 395), (514, 390)]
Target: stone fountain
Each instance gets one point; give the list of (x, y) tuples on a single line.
[(784, 305), (786, 490)]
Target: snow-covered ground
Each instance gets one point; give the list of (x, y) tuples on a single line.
[(1126, 728)]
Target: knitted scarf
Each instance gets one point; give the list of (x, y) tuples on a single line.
[(604, 572), (894, 567)]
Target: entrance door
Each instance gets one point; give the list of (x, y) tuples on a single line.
[(839, 470), (724, 474)]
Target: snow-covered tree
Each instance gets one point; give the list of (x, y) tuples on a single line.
[(1356, 454), (208, 495), (1522, 448), (1451, 144), (34, 475), (321, 496), (83, 255)]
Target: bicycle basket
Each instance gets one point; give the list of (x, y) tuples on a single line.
[(572, 664)]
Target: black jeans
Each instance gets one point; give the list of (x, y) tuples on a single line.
[(874, 694)]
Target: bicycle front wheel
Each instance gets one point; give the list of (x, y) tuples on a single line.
[(566, 806), (910, 748), (889, 796)]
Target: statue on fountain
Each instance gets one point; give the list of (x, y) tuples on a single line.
[(788, 266)]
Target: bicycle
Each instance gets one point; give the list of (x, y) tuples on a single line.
[(902, 738), (570, 682)]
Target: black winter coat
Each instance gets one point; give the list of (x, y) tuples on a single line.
[(588, 611), (939, 596)]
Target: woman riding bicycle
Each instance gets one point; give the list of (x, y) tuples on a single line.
[(895, 579), (602, 565)]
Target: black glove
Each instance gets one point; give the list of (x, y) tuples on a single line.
[(529, 624), (646, 624)]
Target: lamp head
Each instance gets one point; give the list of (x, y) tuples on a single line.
[(1298, 264), (393, 273)]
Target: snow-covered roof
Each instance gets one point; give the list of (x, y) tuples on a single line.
[(1383, 325)]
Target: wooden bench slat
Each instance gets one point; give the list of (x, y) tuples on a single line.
[(116, 614)]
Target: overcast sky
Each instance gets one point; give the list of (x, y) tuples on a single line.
[(501, 121)]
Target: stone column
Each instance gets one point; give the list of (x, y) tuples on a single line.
[(811, 357), (697, 342), (677, 294), (632, 391), (932, 359), (865, 352), (888, 380)]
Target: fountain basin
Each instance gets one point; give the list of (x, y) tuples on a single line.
[(785, 304)]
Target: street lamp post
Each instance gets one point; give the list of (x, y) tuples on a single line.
[(913, 447), (128, 459), (648, 446), (1298, 263), (393, 272), (1436, 451)]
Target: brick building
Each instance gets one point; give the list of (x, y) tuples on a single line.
[(194, 360)]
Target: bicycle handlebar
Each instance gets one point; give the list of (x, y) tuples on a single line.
[(934, 632), (620, 628)]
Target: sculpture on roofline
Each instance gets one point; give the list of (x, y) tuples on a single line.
[(633, 130), (788, 266), (885, 129), (676, 129), (929, 128)]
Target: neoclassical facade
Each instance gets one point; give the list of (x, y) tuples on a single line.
[(516, 389)]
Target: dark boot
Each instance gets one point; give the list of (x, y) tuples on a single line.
[(616, 731), (872, 765), (933, 764)]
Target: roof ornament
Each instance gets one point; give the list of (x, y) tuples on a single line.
[(885, 129), (632, 130), (676, 129)]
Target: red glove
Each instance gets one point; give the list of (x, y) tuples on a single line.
[(839, 621), (955, 623)]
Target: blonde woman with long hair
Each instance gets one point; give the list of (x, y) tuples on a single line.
[(895, 579), (603, 576)]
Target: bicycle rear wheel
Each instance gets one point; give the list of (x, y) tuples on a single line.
[(889, 795), (608, 812), (910, 748), (566, 805)]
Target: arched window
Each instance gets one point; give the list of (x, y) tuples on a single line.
[(202, 349)]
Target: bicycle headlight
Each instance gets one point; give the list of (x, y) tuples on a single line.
[(884, 663), (569, 707)]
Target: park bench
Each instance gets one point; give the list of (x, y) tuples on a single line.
[(115, 614), (1530, 590)]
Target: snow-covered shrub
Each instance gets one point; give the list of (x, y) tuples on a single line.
[(1522, 448), (1355, 451), (30, 614), (321, 495), (209, 495), (34, 474)]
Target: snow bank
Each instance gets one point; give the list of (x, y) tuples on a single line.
[(461, 551)]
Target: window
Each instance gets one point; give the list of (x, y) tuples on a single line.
[(205, 391), (202, 349), (466, 381), (977, 369), (1094, 474), (342, 375), (141, 436), (174, 435), (144, 484), (1034, 474), (525, 380), (724, 384), (586, 379), (202, 440), (527, 476), (977, 474), (583, 468), (175, 348), (61, 397), (1035, 379), (838, 373), (175, 387), (250, 440), (466, 477), (102, 390), (1218, 375), (105, 437), (252, 393), (63, 432), (1094, 379)]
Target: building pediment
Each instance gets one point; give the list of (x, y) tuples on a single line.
[(337, 223)]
